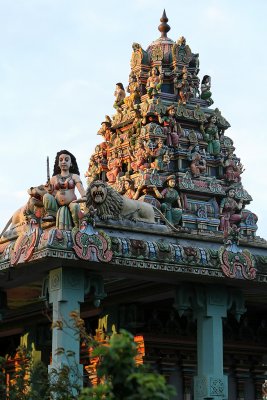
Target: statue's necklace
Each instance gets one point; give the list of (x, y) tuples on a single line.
[(63, 179)]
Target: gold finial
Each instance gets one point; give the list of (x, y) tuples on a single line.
[(164, 27)]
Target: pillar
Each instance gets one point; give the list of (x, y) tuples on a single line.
[(210, 305), (210, 381), (66, 292)]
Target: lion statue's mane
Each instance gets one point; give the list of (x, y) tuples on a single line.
[(111, 207), (115, 206)]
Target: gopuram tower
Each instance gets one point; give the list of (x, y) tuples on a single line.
[(162, 242), (165, 126)]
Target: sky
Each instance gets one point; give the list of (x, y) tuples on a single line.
[(60, 61)]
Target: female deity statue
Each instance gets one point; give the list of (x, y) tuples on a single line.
[(114, 167), (233, 168), (198, 164), (60, 203), (134, 90), (184, 88), (159, 156), (135, 130), (94, 169), (211, 135), (119, 96), (205, 89), (105, 129), (171, 127), (154, 82), (139, 157), (171, 200), (230, 211), (129, 189)]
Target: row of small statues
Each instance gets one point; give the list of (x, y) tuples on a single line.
[(60, 196), (185, 87), (155, 154), (172, 207), (171, 130)]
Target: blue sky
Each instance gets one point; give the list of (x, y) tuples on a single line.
[(60, 60)]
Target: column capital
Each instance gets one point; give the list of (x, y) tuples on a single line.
[(209, 300)]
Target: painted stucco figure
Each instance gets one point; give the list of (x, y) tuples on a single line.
[(134, 90), (198, 163), (233, 168), (154, 82), (171, 127), (60, 203), (230, 211), (114, 167), (211, 135), (119, 96), (205, 89), (171, 200), (112, 205)]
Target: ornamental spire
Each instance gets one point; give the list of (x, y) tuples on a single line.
[(164, 27)]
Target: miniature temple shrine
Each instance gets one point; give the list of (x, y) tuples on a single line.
[(162, 242)]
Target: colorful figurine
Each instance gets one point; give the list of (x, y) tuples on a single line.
[(184, 88), (211, 135), (139, 157), (171, 127), (62, 192), (205, 90), (171, 200), (94, 169), (114, 167), (153, 83), (198, 163), (129, 189), (158, 153), (134, 90), (105, 129), (230, 211), (119, 96), (233, 168)]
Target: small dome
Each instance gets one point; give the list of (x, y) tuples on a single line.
[(161, 48)]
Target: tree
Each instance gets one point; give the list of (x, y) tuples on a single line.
[(121, 378)]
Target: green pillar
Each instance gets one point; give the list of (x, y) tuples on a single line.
[(66, 292), (210, 382), (210, 305)]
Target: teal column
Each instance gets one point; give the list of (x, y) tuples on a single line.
[(210, 305), (66, 292)]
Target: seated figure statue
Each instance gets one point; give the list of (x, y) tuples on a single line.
[(60, 203)]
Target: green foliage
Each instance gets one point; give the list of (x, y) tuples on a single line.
[(148, 386), (100, 392), (2, 377), (61, 387), (39, 387), (123, 379)]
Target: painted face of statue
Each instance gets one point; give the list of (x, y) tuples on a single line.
[(154, 71), (127, 185), (231, 193), (172, 112), (171, 182), (213, 119), (64, 162)]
